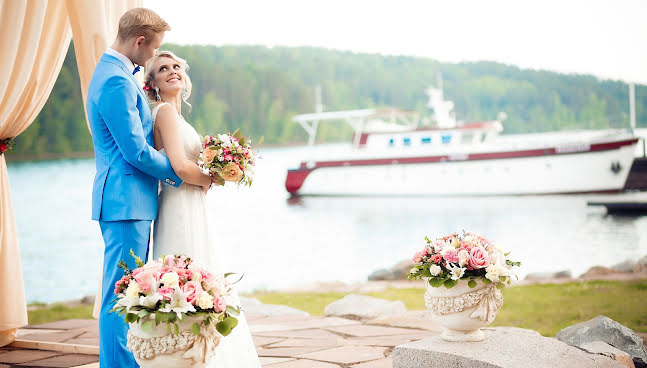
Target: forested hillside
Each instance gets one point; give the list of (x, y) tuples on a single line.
[(259, 89)]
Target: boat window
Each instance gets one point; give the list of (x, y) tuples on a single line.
[(467, 138), (407, 141), (426, 140), (391, 142), (446, 138)]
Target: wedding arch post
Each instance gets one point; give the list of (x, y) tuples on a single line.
[(34, 39)]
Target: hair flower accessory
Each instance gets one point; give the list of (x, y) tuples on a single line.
[(6, 145), (146, 87)]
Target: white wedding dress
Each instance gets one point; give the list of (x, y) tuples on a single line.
[(182, 227)]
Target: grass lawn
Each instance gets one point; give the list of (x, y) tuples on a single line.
[(544, 308)]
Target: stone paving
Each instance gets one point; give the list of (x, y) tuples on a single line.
[(286, 341)]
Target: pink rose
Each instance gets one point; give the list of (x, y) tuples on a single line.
[(417, 258), (219, 304), (145, 279), (165, 292), (479, 258), (192, 291), (451, 256), (229, 157), (436, 258)]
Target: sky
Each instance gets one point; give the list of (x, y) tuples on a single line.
[(607, 38)]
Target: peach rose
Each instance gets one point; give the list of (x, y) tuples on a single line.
[(208, 155), (231, 172)]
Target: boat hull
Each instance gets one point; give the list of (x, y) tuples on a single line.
[(599, 168)]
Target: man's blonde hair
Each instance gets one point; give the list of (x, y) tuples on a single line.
[(141, 22)]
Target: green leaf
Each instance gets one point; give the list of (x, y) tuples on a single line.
[(143, 313), (195, 329), (225, 326), (232, 310), (436, 281), (450, 283), (138, 261), (486, 281), (471, 284), (261, 140), (426, 273), (147, 326), (176, 329), (131, 318), (500, 285)]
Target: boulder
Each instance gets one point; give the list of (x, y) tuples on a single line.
[(625, 267), (602, 348), (381, 275), (549, 275), (605, 329), (362, 307), (503, 347), (401, 269), (254, 306), (597, 271), (641, 265)]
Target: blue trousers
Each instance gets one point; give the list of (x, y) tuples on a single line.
[(119, 238)]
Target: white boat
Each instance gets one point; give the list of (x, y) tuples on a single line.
[(392, 155)]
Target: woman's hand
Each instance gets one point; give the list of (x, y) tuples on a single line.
[(205, 189)]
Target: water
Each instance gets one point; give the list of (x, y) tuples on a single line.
[(280, 243)]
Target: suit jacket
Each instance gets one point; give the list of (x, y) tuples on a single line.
[(128, 166)]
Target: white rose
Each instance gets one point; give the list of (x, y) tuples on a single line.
[(435, 270), (205, 301), (133, 290), (170, 279), (494, 271), (463, 258)]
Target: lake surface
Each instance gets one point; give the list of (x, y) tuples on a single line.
[(280, 243)]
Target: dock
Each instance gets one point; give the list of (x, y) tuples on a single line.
[(630, 204)]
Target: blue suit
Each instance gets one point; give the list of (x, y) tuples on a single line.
[(124, 197)]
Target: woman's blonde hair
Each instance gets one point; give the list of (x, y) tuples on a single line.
[(150, 76)]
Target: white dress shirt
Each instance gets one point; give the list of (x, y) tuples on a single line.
[(127, 63)]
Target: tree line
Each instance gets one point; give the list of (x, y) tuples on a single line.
[(259, 89)]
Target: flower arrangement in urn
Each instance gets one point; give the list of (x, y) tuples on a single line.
[(228, 158), (177, 311), (464, 275)]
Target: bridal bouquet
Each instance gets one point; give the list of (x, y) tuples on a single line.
[(228, 158), (455, 257), (171, 289)]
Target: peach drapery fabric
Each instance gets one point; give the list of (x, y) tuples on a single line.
[(34, 38)]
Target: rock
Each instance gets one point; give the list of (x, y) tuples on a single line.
[(602, 348), (626, 266), (641, 265), (597, 271), (362, 307), (401, 269), (88, 299), (273, 310), (605, 329), (549, 275), (502, 347), (381, 275)]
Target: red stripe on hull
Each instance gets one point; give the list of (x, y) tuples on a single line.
[(295, 178)]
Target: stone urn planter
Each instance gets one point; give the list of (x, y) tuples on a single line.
[(462, 310), (157, 348)]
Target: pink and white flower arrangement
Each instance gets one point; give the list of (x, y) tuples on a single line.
[(172, 288), (228, 158), (469, 256)]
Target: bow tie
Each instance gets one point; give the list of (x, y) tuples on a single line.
[(136, 69)]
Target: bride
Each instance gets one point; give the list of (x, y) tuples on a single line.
[(182, 225)]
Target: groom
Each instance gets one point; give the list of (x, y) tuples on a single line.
[(124, 198)]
